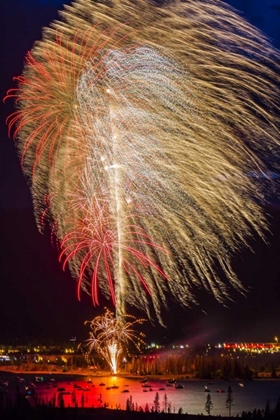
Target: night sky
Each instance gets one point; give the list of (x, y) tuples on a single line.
[(38, 300)]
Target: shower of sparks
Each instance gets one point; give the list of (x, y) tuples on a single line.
[(137, 127), (111, 336)]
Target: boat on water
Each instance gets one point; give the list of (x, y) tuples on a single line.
[(179, 386), (171, 381), (101, 384)]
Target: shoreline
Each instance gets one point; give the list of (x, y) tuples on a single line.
[(103, 374), (97, 374)]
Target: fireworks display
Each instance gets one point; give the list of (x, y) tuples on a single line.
[(110, 336), (137, 126)]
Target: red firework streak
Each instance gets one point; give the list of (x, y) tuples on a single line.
[(43, 124)]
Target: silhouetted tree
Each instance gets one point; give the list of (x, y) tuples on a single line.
[(267, 410), (74, 397), (156, 404), (100, 400), (129, 404), (247, 372), (276, 411), (60, 400), (273, 371), (229, 400), (236, 369), (208, 404), (226, 368), (165, 403)]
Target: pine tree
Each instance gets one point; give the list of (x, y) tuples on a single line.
[(208, 404), (129, 404), (82, 400), (273, 371), (100, 400), (267, 410), (165, 403), (229, 400), (156, 403), (74, 397), (276, 411), (60, 400)]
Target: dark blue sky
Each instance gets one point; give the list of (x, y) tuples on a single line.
[(36, 298), (264, 14)]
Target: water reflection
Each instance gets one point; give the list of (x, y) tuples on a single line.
[(113, 392)]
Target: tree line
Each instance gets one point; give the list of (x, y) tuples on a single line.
[(201, 367)]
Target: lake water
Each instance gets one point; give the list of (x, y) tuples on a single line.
[(192, 397)]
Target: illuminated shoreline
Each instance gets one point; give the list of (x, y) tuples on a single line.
[(88, 372), (107, 374)]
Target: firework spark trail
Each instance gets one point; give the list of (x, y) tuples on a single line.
[(141, 122)]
